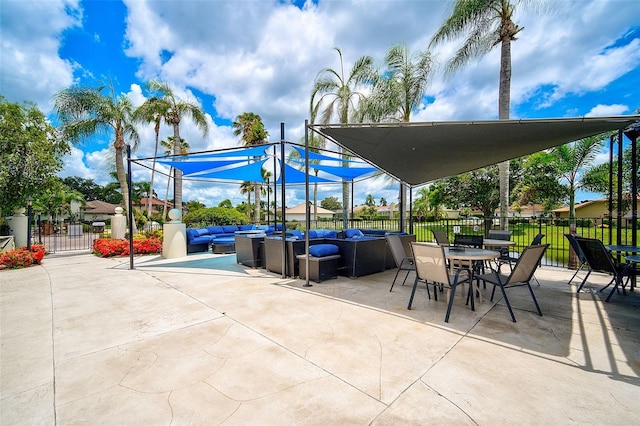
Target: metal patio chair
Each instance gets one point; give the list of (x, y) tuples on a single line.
[(403, 260)]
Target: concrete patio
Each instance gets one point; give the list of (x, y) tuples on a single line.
[(202, 340)]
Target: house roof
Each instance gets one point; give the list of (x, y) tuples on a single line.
[(100, 207), (579, 205), (299, 209)]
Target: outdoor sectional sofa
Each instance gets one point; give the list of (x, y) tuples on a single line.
[(220, 238), (359, 254)]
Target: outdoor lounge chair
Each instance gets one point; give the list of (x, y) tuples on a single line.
[(521, 275), (581, 258), (601, 260), (403, 260), (510, 259), (431, 266)]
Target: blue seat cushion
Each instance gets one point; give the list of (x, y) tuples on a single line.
[(224, 240), (353, 233), (229, 228), (322, 250), (192, 233), (326, 233), (250, 227), (295, 234), (313, 234), (200, 240), (215, 229), (203, 231)]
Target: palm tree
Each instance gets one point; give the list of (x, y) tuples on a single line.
[(247, 188), (401, 87), (85, 112), (338, 94), (170, 148), (177, 109), (249, 127), (316, 143), (153, 110), (485, 23), (570, 159), (399, 90)]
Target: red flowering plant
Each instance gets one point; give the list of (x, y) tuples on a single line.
[(22, 258), (109, 247)]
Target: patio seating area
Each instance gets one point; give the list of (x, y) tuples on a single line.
[(205, 340)]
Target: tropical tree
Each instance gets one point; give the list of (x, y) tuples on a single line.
[(31, 154), (316, 144), (85, 112), (570, 159), (421, 204), (250, 128), (485, 24), (176, 111), (153, 110), (246, 188), (226, 203), (399, 90), (337, 95)]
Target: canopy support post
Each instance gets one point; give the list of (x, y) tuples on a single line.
[(307, 208)]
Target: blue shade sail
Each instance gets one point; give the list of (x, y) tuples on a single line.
[(244, 173), (188, 167), (293, 175), (319, 157), (241, 153), (347, 173)]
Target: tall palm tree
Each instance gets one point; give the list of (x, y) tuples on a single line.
[(316, 143), (485, 24), (170, 148), (338, 95), (250, 128), (401, 87), (85, 112), (247, 188), (399, 90), (153, 110), (178, 109)]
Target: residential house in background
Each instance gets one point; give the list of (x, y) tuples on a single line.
[(298, 213)]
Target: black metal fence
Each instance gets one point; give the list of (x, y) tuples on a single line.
[(524, 231)]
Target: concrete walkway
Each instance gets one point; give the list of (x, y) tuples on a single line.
[(202, 340)]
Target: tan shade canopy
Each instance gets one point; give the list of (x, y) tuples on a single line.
[(418, 153)]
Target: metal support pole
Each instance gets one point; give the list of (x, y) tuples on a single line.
[(619, 208), (284, 215), (130, 207), (29, 219), (306, 202), (610, 188)]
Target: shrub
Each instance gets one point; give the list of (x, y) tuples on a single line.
[(22, 258), (109, 247), (214, 216)]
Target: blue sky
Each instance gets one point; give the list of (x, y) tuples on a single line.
[(573, 58)]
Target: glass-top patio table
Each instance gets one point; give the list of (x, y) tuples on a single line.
[(474, 258)]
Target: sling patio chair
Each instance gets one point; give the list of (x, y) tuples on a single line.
[(431, 267), (520, 275), (440, 237), (403, 260), (581, 258), (510, 258), (601, 260)]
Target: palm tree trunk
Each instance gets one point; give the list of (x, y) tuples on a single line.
[(153, 171), (166, 196), (504, 103), (177, 174), (256, 211), (122, 180)]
